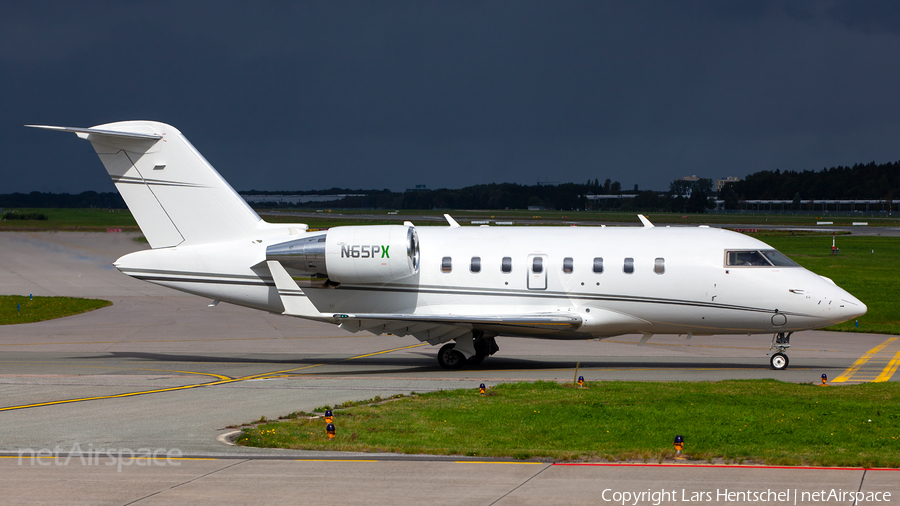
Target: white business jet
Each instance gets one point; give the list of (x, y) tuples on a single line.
[(455, 286)]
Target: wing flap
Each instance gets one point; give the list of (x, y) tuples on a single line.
[(548, 321)]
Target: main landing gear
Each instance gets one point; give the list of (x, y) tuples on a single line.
[(781, 342), (451, 358)]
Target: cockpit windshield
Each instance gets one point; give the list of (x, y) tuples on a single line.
[(758, 258)]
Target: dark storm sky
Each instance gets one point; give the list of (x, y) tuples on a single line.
[(448, 94)]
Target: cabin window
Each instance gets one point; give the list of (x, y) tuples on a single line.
[(446, 264), (475, 266), (537, 265), (659, 266), (598, 265), (629, 265), (506, 265), (761, 258), (568, 265)]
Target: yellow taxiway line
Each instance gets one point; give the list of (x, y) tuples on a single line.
[(224, 380), (862, 360), (889, 370)]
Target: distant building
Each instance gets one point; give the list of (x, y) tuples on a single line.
[(297, 199), (720, 183), (690, 178), (419, 187)]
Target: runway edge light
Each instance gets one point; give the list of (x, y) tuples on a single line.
[(481, 389), (329, 416), (824, 380), (581, 381), (329, 429)]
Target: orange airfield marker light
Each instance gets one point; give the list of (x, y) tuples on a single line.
[(581, 381), (330, 430), (481, 389), (679, 445), (824, 380), (329, 416)]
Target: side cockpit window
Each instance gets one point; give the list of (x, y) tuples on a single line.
[(758, 258), (778, 258)]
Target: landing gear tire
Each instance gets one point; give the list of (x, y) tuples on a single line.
[(450, 358), (779, 361)]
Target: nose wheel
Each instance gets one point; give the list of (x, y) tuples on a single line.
[(781, 342), (779, 361)]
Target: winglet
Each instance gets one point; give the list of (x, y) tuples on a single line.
[(294, 300), (451, 221), (645, 221)]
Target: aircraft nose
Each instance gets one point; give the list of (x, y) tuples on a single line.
[(853, 307), (848, 306)]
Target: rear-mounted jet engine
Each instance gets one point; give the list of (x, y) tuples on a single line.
[(368, 254)]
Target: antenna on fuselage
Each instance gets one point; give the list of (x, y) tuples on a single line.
[(645, 221)]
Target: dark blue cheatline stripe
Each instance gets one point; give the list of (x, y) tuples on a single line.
[(201, 280), (245, 280)]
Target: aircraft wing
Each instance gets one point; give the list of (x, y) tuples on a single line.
[(434, 328), (438, 328)]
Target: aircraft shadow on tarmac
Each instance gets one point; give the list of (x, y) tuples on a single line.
[(416, 362)]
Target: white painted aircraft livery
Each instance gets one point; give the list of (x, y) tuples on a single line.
[(455, 286)]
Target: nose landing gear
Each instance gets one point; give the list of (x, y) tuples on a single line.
[(781, 342)]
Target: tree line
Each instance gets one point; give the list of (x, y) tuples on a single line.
[(84, 200), (869, 181), (861, 181)]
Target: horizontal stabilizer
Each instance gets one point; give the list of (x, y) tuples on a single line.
[(95, 131)]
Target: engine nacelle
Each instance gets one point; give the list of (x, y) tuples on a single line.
[(364, 254)]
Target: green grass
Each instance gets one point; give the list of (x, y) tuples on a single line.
[(871, 277), (43, 308), (84, 220), (763, 421)]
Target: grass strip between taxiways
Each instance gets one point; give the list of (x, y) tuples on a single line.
[(760, 421), (26, 309)]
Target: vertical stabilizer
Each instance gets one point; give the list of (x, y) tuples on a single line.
[(175, 195)]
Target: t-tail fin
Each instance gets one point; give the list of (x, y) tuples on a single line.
[(175, 195)]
